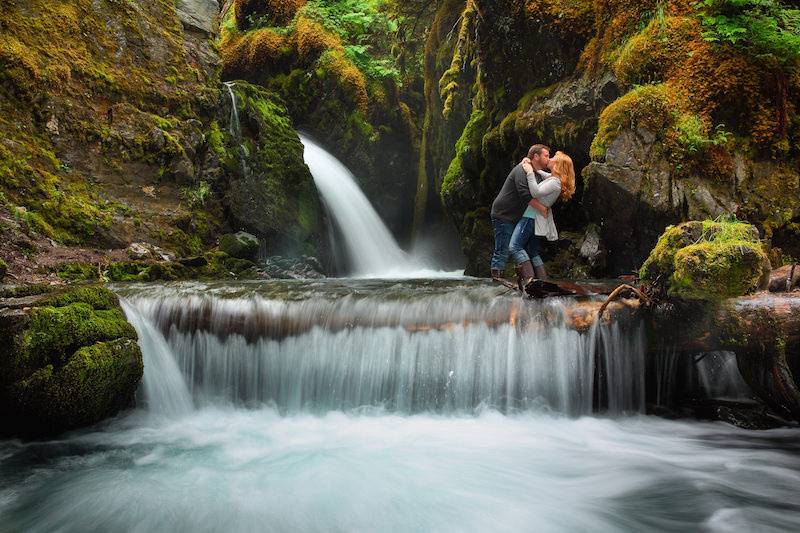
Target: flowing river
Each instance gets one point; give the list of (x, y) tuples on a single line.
[(379, 405)]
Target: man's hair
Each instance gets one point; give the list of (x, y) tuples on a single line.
[(536, 149)]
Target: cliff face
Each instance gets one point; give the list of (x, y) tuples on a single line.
[(114, 125), (337, 69), (667, 121)]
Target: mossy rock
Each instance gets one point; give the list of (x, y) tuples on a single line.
[(715, 271), (78, 272), (273, 195), (95, 382), (708, 260), (241, 245), (68, 359)]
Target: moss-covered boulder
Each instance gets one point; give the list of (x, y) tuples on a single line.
[(270, 191), (241, 245), (708, 260), (68, 359)]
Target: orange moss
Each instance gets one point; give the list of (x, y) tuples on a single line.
[(348, 76), (651, 54), (252, 53), (312, 39)]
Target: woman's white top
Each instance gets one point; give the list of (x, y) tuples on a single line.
[(547, 192)]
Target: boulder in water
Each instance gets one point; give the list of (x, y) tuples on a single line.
[(708, 260), (68, 359), (241, 245)]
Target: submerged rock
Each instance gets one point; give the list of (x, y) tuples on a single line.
[(708, 260), (241, 245), (68, 359), (306, 267)]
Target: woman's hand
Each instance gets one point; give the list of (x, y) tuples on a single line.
[(526, 166)]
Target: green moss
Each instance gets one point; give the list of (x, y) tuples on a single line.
[(56, 332), (717, 270), (3, 268), (96, 296), (647, 106), (78, 272), (128, 271), (468, 147), (707, 260), (96, 381), (216, 141)]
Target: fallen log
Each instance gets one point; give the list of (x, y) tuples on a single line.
[(762, 329)]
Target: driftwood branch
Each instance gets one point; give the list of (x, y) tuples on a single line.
[(616, 293)]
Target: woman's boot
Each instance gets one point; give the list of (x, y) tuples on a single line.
[(525, 274), (539, 272), (497, 275)]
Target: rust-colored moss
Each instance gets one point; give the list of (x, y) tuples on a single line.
[(251, 53), (349, 77), (312, 39)]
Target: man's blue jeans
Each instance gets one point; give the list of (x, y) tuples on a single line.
[(502, 236), (524, 244)]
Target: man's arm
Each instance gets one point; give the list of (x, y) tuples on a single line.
[(539, 206), (521, 182)]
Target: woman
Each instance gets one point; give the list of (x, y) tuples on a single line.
[(525, 241)]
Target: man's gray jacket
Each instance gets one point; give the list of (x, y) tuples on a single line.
[(513, 197)]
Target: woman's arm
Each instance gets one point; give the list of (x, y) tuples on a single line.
[(538, 190)]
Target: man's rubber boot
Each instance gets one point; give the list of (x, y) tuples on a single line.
[(539, 272), (525, 275)]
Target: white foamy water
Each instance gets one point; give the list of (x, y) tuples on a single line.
[(442, 406), (447, 353), (238, 470), (163, 386), (372, 250)]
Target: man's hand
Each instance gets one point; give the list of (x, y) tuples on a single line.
[(536, 204)]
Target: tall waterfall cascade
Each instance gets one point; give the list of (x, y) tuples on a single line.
[(371, 248)]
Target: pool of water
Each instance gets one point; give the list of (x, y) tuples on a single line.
[(375, 405), (232, 469)]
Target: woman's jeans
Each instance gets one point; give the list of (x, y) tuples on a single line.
[(524, 244)]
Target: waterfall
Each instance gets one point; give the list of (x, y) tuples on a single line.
[(163, 385), (440, 353), (234, 126), (371, 248), (719, 377)]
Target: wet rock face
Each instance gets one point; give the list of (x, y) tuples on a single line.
[(637, 189), (199, 15), (69, 359), (268, 189)]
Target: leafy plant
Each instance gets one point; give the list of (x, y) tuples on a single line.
[(692, 136), (364, 27), (196, 196), (767, 28)]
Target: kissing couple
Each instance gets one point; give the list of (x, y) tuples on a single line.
[(522, 214)]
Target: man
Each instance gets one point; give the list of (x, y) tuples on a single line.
[(510, 204)]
